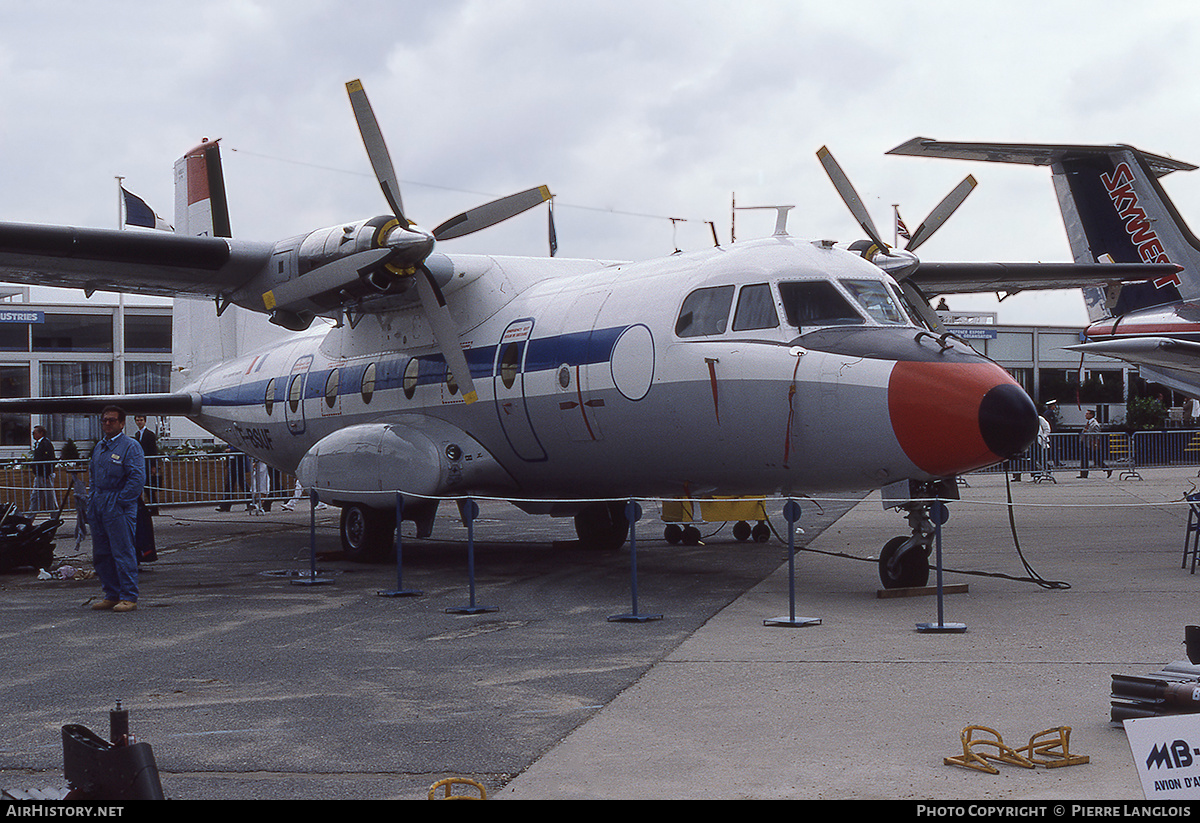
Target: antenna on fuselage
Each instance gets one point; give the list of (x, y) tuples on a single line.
[(781, 216)]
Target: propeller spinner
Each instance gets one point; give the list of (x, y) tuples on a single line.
[(412, 245)]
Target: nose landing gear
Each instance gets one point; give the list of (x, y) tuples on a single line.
[(904, 561)]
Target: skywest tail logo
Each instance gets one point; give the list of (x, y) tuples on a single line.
[(1119, 185)]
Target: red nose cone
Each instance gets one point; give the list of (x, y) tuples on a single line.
[(954, 417)]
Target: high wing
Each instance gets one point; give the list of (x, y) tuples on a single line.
[(135, 262)]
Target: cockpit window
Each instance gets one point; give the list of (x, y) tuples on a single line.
[(755, 309), (873, 296), (816, 303), (705, 311)]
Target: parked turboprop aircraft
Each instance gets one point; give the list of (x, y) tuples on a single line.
[(769, 367), (1115, 209)]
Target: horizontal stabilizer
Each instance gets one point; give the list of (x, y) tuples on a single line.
[(180, 403), (1161, 352), (1033, 154)]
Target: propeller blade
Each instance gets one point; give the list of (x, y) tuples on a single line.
[(377, 151), (846, 190), (489, 214), (445, 332), (921, 306), (333, 275), (941, 212)]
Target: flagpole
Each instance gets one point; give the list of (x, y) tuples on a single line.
[(119, 354), (896, 225)]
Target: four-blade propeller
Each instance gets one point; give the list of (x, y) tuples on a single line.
[(899, 264), (928, 226), (414, 244)]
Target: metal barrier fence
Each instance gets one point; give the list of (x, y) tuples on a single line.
[(1118, 450), (172, 480), (230, 479)]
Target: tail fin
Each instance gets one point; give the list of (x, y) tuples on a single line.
[(1114, 210), (201, 208), (200, 204)]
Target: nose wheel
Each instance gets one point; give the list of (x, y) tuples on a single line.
[(901, 568), (904, 561)]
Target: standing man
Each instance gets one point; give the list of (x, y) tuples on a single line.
[(148, 440), (118, 475), (42, 499), (1090, 444)]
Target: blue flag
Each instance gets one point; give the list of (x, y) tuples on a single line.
[(137, 213)]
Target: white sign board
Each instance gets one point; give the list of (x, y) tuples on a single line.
[(1166, 752)]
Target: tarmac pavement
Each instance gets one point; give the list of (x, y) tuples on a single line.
[(866, 706), (250, 681)]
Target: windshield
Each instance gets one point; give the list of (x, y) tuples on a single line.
[(874, 297), (816, 303)]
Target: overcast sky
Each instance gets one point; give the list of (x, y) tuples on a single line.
[(631, 111)]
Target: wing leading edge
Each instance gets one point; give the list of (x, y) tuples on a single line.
[(133, 262)]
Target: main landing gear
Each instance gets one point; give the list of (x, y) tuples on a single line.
[(369, 534), (602, 526)]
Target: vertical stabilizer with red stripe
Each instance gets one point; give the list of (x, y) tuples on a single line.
[(200, 204)]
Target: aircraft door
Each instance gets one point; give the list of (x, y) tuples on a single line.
[(508, 384), (293, 398)]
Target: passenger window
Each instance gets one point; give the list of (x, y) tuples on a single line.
[(509, 364), (331, 388), (367, 388), (412, 373), (816, 303), (873, 296), (296, 392), (705, 311), (755, 309)]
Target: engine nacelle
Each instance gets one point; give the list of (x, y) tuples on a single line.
[(325, 270), (369, 463)]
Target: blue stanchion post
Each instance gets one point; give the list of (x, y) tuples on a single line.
[(791, 513), (469, 510), (400, 591), (633, 513), (312, 579), (940, 514)]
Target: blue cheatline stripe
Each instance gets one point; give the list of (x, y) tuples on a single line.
[(543, 354)]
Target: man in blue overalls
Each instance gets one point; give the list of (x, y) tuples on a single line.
[(118, 475)]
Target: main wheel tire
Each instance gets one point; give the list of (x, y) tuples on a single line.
[(912, 570), (367, 534), (602, 526)]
